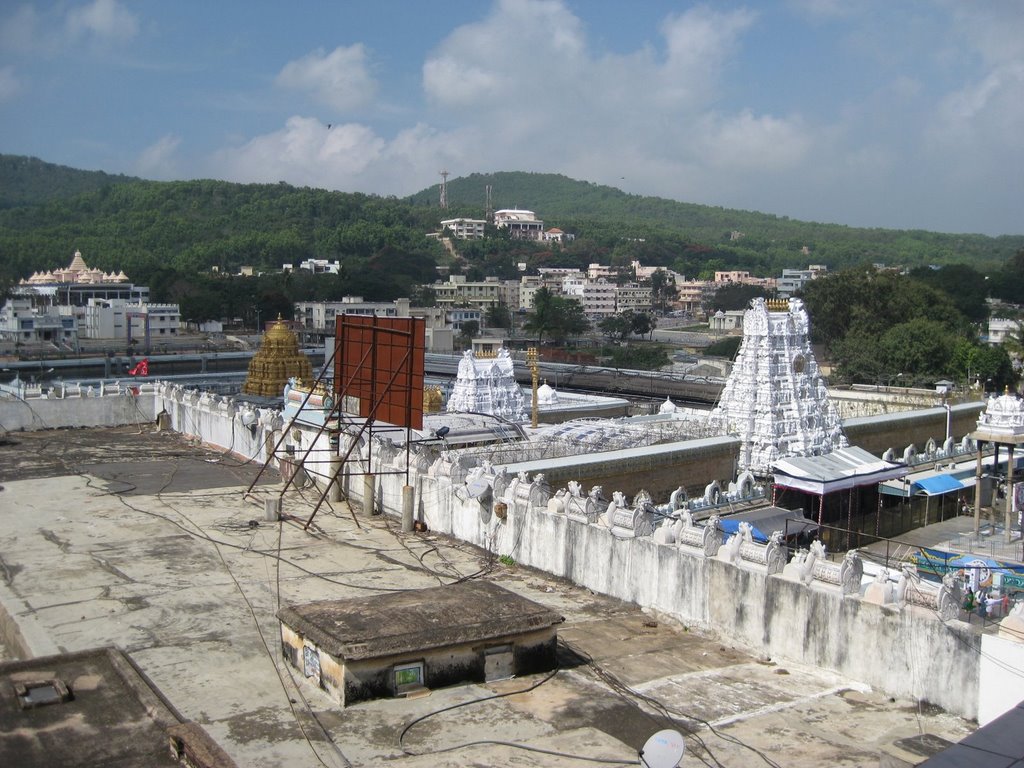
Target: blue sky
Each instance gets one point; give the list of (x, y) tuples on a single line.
[(904, 114)]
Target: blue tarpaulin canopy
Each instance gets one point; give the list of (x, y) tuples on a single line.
[(936, 485), (764, 521)]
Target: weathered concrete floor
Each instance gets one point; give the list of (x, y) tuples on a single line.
[(128, 538)]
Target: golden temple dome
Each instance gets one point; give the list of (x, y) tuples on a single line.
[(277, 360)]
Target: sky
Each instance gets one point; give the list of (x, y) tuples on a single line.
[(870, 113)]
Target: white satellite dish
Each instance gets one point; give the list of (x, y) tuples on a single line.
[(478, 487), (663, 750)]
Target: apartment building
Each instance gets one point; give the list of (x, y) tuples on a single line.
[(457, 291), (633, 297), (465, 229), (793, 280), (320, 315), (521, 224)]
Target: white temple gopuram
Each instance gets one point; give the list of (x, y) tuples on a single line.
[(775, 401), (487, 385)]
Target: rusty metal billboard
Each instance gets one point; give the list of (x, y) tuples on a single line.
[(378, 368)]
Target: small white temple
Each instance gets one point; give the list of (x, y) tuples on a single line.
[(775, 400), (487, 385)]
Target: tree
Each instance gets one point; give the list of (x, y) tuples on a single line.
[(555, 316), (498, 316), (663, 289), (736, 296), (617, 327), (469, 329)]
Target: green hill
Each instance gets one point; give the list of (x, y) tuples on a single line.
[(752, 240), (29, 181), (148, 227)]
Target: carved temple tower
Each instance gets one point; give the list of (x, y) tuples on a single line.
[(775, 401), (488, 385), (277, 360)]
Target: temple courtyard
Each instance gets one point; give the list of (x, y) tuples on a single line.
[(137, 539)]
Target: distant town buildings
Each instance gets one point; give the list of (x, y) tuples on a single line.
[(60, 307)]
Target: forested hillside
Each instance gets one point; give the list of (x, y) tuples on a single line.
[(766, 245), (28, 181)]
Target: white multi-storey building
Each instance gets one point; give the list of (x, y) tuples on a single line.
[(465, 229), (22, 321), (521, 224), (596, 296), (320, 315), (118, 319), (793, 280)]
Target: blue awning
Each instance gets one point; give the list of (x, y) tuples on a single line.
[(936, 485), (766, 520)]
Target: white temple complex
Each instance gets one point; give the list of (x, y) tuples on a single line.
[(487, 385), (76, 272), (776, 401)]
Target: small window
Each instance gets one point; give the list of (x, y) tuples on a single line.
[(408, 676)]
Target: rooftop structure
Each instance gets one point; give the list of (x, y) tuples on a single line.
[(94, 708), (277, 360), (775, 400), (388, 645)]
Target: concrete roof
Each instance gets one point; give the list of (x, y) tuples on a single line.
[(417, 620), (111, 718), (141, 540)]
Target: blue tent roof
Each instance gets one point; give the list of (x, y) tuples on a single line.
[(764, 521), (937, 485)]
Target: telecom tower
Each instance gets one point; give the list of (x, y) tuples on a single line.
[(444, 190), (488, 205)]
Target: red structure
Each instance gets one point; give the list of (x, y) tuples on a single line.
[(378, 368)]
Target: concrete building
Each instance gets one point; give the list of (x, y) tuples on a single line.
[(597, 297), (491, 292), (117, 319), (317, 266), (999, 328), (521, 224), (633, 297), (793, 280), (22, 320), (319, 315), (410, 642), (692, 295), (465, 229)]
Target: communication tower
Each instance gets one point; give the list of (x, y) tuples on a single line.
[(444, 190)]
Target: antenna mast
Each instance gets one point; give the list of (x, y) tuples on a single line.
[(488, 205), (444, 190)]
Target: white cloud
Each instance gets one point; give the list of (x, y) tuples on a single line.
[(157, 161), (522, 90), (339, 79), (9, 84), (105, 19), (59, 30)]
